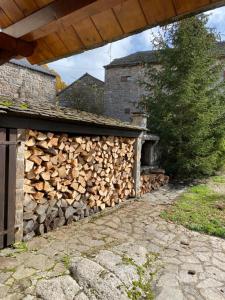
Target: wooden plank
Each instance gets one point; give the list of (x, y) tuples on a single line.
[(130, 15), (88, 33), (70, 39), (11, 10), (45, 15), (69, 127), (187, 6), (42, 3), (4, 20), (2, 184), (11, 186), (17, 46), (5, 56), (27, 7), (55, 45), (42, 52), (73, 18), (158, 11), (107, 25)]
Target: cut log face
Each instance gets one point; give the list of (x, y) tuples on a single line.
[(153, 182), (68, 178)]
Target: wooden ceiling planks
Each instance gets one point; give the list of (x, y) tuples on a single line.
[(75, 27), (71, 39), (183, 7), (11, 10), (158, 11), (107, 25), (26, 7), (4, 19), (88, 33), (130, 16)]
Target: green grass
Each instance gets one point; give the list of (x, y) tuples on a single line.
[(66, 261), (199, 209), (218, 179), (142, 287), (20, 247)]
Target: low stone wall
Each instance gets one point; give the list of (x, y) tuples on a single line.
[(68, 178)]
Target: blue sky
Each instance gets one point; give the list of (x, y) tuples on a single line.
[(93, 61)]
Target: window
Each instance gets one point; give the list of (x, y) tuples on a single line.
[(125, 78)]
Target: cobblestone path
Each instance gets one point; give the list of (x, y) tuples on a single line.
[(192, 265)]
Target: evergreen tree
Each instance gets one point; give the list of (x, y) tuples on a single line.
[(186, 99)]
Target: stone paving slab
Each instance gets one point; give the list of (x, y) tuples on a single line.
[(85, 261)]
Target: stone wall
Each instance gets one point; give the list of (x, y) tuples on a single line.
[(68, 178), (123, 91), (84, 94), (20, 82)]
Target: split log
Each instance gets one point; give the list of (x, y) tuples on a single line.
[(69, 178)]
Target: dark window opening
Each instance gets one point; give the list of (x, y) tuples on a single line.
[(125, 78)]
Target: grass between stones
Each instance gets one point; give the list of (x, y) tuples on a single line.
[(142, 287), (200, 209)]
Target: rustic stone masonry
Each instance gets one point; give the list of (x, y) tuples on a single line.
[(20, 80), (68, 178)]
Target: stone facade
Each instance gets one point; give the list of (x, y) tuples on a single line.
[(123, 91), (86, 94), (27, 82)]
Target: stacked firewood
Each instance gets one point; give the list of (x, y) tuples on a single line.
[(152, 182), (68, 178)]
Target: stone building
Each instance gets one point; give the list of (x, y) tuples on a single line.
[(123, 77), (86, 93), (123, 90), (21, 80)]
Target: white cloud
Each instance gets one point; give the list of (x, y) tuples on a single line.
[(93, 61)]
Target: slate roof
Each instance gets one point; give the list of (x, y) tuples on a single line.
[(134, 59), (148, 57), (25, 64), (51, 112), (86, 75)]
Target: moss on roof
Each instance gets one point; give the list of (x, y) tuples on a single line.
[(52, 112)]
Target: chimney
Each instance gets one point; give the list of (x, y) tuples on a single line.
[(139, 119)]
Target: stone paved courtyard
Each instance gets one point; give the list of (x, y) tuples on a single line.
[(86, 260)]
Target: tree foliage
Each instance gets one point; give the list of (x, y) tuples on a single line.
[(185, 98), (59, 84)]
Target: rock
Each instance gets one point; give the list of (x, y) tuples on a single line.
[(63, 288), (28, 227), (170, 294), (92, 276), (86, 212), (112, 262), (41, 218), (41, 209), (82, 296), (22, 273), (29, 236), (69, 212), (3, 291), (30, 206)]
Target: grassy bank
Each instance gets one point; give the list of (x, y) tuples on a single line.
[(201, 208)]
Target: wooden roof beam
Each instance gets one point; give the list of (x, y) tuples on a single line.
[(55, 10), (11, 47)]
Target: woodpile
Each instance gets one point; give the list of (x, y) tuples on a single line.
[(68, 178), (152, 182)]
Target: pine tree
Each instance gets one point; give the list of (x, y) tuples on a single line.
[(186, 99)]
